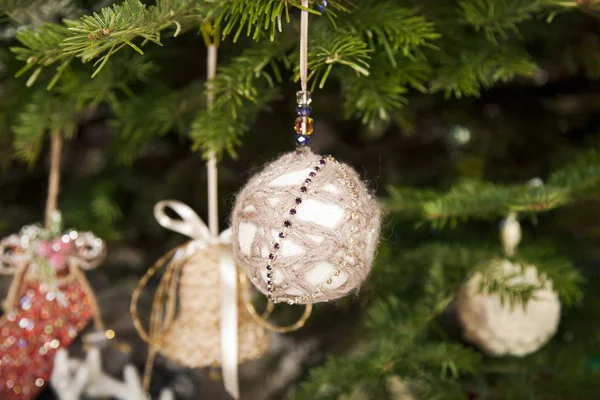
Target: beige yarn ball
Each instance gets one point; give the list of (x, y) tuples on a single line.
[(305, 229), (499, 329), (194, 338)]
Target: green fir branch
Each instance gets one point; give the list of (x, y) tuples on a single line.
[(478, 66), (475, 199), (172, 111), (498, 19), (381, 95), (386, 25), (256, 17), (333, 47), (216, 132), (241, 89), (31, 126), (100, 35), (10, 6)]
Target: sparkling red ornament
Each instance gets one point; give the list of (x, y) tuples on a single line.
[(45, 319)]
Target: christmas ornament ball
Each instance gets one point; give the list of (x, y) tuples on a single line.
[(501, 329), (305, 229)]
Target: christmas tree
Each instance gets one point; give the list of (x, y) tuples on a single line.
[(461, 116)]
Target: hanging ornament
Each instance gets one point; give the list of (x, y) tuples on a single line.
[(198, 319), (305, 229), (73, 379), (210, 326), (48, 304), (498, 327)]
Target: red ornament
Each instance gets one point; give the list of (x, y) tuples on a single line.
[(45, 319), (48, 304)]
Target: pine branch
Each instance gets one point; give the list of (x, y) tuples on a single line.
[(386, 25), (216, 132), (567, 281), (330, 47), (255, 17), (100, 35), (495, 281), (392, 346), (60, 110), (581, 177), (31, 127), (172, 111), (242, 88), (10, 6), (478, 66), (478, 200), (237, 81), (498, 19), (382, 94), (473, 199)]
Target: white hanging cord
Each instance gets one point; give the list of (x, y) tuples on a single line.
[(211, 165), (304, 45)]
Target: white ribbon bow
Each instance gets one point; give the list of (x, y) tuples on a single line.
[(191, 225)]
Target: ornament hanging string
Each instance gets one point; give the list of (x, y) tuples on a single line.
[(304, 124), (51, 217), (228, 270), (54, 179), (211, 165), (304, 46)]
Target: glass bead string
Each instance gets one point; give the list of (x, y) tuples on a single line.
[(287, 225), (304, 122)]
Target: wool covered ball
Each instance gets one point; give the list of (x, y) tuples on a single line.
[(499, 328), (194, 338), (305, 229)]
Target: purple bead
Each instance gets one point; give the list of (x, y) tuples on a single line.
[(269, 282), (304, 110), (269, 275), (281, 235), (293, 211), (303, 189), (269, 268), (307, 180), (298, 200), (322, 161), (302, 140), (269, 289), (322, 6), (317, 169), (312, 174), (271, 256), (287, 224), (276, 245)]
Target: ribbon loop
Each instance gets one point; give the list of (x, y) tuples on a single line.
[(11, 257), (189, 224), (90, 250)]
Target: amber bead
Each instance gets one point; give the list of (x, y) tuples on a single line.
[(304, 125)]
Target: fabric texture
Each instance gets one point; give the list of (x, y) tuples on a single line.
[(308, 225), (194, 339), (500, 328)]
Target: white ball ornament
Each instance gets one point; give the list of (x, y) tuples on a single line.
[(501, 329), (305, 229)]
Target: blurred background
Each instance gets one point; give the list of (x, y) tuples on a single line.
[(476, 120)]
